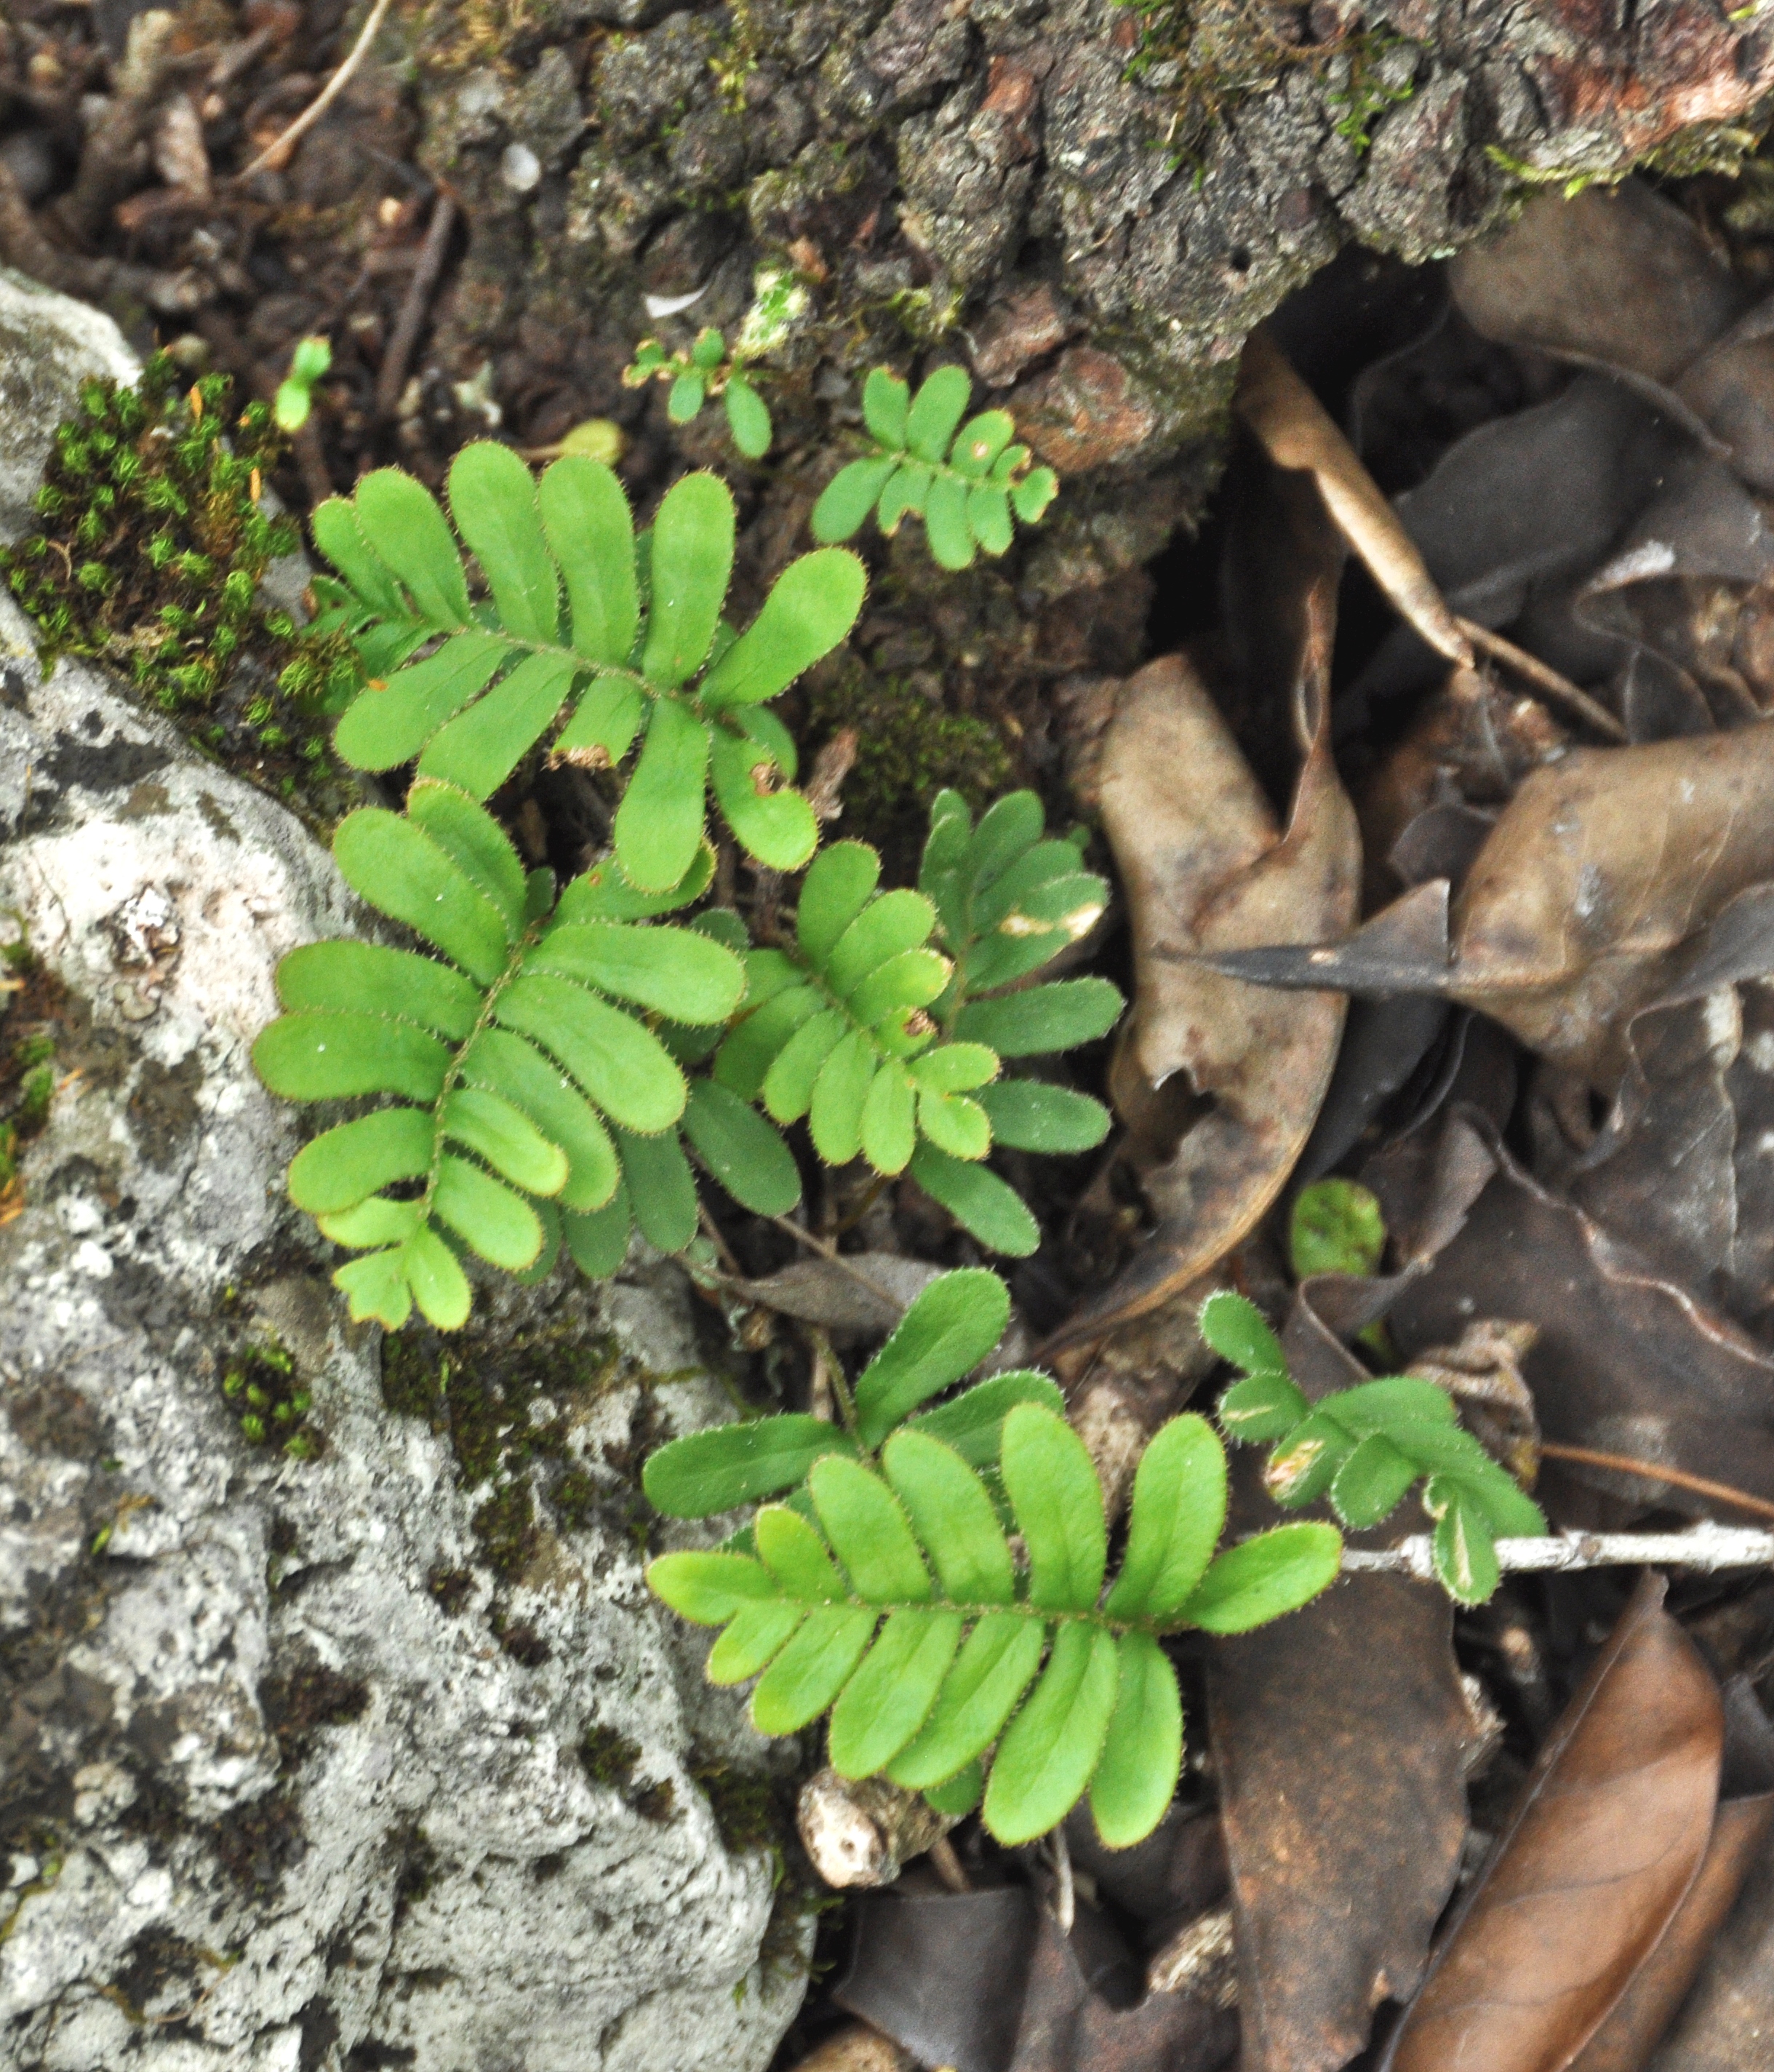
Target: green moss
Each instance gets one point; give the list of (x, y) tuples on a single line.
[(608, 1757), (269, 1403), (154, 541), (505, 1526)]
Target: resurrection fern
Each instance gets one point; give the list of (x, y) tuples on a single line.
[(639, 653), (964, 483), (878, 1023), (154, 541), (705, 370), (887, 1592), (1364, 1448), (532, 1100)]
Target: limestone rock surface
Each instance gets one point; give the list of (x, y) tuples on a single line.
[(49, 345), (311, 1763)]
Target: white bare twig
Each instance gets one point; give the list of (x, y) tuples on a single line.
[(1708, 1548), (274, 154)]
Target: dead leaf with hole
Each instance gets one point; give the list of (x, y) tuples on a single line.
[(1205, 866), (1609, 1833)]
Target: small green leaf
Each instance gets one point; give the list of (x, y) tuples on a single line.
[(1371, 1483), (590, 528), (961, 1795), (1261, 1579), (947, 1330), (741, 1150), (599, 1241), (770, 822), (377, 1290), (374, 979), (755, 1044), (476, 844), (401, 871), (709, 350), (912, 979), (693, 552), (789, 1084), (505, 1137), (979, 442), (840, 1093), (972, 1423), (849, 497), (505, 1064), (935, 411), (480, 748), (834, 892), (1032, 494), (812, 1670), (756, 1635), (946, 523), (953, 1516), (868, 1532), (660, 823), (499, 1224), (376, 1222), (908, 490), (797, 1556), (1263, 1406), (340, 538), (997, 1662), (953, 1068), (320, 1056), (886, 400), (713, 1471), (1058, 1502), (1029, 1115), (438, 1284), (897, 921), (1056, 1016), (708, 1589), (811, 606), (492, 498), (348, 1163), (685, 398), (988, 519), (662, 1190), (980, 1202), (886, 1701), (676, 971), (412, 537), (890, 1120), (955, 1125), (1302, 1467), (624, 1068), (389, 725), (1142, 1755), (604, 893), (748, 418), (1337, 1226), (1232, 1326), (1465, 1552), (1052, 1747), (1177, 1514)]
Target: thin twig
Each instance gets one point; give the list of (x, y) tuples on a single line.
[(1650, 1471), (830, 1252), (947, 1865), (712, 1231), (1557, 689), (275, 154), (390, 378), (1707, 1547)]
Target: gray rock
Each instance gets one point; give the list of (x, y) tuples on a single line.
[(292, 1750), (49, 345)]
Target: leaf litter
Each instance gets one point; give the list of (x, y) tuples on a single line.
[(1447, 856)]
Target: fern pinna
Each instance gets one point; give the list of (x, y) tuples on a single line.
[(532, 1100), (639, 653), (886, 1590)]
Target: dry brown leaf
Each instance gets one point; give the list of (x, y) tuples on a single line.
[(1611, 1829), (1203, 866), (1297, 433)]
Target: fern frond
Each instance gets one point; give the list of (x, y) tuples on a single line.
[(964, 481), (862, 1024), (895, 1602), (1364, 1448), (572, 647), (530, 1100)]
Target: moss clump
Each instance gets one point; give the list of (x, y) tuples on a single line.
[(907, 750), (505, 1526), (608, 1757), (154, 541), (268, 1402), (30, 997)]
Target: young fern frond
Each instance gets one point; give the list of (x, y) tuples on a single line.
[(965, 483), (530, 1098), (862, 1023), (886, 1590), (1364, 1448), (620, 639)]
